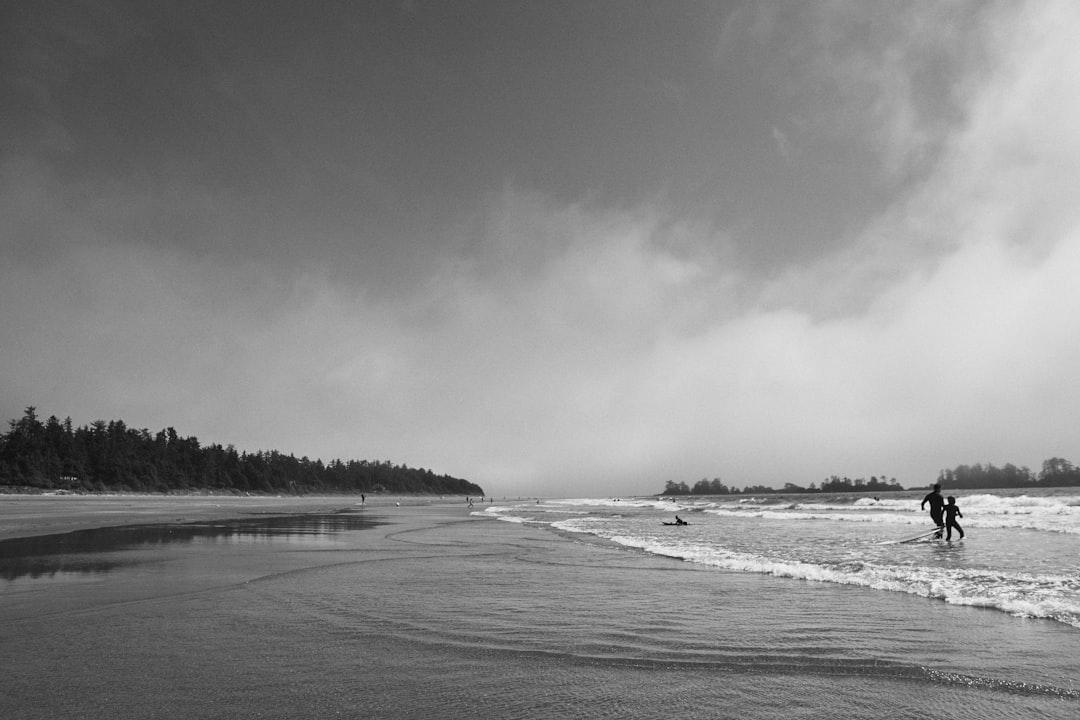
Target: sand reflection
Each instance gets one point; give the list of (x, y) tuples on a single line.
[(101, 550)]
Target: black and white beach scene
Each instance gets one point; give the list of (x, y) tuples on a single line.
[(516, 359)]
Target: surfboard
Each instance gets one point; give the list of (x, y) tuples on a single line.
[(673, 523), (920, 536)]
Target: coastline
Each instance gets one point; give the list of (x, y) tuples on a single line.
[(25, 515), (432, 612)]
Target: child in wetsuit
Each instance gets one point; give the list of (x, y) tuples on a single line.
[(952, 511)]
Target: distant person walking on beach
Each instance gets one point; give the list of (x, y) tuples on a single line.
[(936, 503), (952, 511)]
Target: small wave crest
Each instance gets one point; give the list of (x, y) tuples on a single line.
[(1019, 594)]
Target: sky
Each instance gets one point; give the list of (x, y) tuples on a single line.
[(554, 248)]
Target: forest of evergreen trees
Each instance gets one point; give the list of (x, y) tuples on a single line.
[(111, 457), (830, 485), (1056, 472)]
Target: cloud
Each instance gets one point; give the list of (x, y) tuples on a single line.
[(957, 346), (567, 348), (783, 144)]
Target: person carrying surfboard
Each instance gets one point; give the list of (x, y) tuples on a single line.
[(937, 504)]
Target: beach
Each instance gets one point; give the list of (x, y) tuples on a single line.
[(317, 607), (26, 515)]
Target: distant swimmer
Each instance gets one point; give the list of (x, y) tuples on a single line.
[(952, 511), (936, 503)]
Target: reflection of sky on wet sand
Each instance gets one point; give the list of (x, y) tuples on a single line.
[(98, 551)]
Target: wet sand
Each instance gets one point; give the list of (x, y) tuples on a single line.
[(429, 612), (31, 515)]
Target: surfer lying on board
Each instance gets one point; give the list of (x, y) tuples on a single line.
[(936, 503), (952, 511), (680, 521)]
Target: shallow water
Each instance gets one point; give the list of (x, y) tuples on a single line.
[(59, 557), (473, 618), (1021, 554)]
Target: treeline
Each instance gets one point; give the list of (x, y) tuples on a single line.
[(833, 484), (111, 457), (701, 487), (1056, 472), (836, 484)]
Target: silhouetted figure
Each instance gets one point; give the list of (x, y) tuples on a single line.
[(952, 511), (936, 503), (680, 521)]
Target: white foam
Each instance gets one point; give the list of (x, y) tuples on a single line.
[(510, 518), (1028, 576), (984, 511), (1022, 594)]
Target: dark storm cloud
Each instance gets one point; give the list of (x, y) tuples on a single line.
[(552, 247)]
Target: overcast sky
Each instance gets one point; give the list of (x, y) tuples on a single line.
[(574, 248)]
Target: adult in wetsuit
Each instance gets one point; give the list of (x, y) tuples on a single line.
[(936, 506)]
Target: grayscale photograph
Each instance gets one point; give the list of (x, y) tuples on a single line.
[(537, 359)]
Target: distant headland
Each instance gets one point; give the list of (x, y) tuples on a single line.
[(38, 456), (1056, 472)]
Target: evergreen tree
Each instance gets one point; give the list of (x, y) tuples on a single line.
[(112, 456)]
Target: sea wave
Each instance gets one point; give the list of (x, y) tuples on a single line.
[(1056, 514), (1028, 595)]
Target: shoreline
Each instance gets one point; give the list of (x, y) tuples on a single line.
[(26, 515), (434, 612)]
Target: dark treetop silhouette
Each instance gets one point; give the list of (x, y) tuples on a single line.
[(110, 456)]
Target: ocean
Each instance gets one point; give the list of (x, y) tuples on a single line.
[(769, 608), (1020, 555)]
